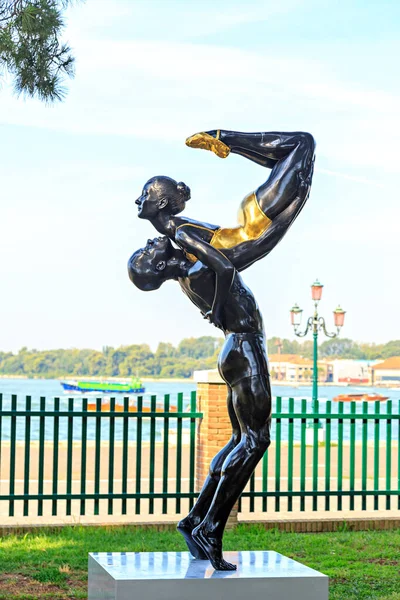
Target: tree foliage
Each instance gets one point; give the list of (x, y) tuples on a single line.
[(167, 361), (336, 348), (125, 361), (30, 47), (342, 347)]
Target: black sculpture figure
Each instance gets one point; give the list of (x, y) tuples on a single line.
[(207, 265)]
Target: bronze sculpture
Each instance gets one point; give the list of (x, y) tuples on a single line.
[(206, 264)]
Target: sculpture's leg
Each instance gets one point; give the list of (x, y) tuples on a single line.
[(289, 155), (265, 148), (200, 508), (281, 198), (290, 179), (252, 403)]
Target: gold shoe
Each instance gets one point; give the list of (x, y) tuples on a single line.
[(208, 142)]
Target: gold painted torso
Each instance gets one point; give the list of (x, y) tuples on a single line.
[(252, 224)]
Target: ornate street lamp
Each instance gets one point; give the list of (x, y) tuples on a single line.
[(316, 323)]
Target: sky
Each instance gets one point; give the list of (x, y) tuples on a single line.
[(149, 74)]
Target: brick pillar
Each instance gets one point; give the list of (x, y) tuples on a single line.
[(215, 428)]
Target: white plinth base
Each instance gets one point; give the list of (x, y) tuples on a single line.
[(178, 576)]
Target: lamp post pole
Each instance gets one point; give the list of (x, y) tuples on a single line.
[(316, 324), (315, 369)]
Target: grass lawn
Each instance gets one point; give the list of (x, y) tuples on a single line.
[(44, 565)]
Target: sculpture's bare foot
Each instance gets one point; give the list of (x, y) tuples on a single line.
[(212, 546), (208, 142), (185, 527)]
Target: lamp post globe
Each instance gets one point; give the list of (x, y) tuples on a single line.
[(295, 315), (338, 317), (316, 291)]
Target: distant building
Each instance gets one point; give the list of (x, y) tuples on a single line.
[(292, 367), (387, 372), (353, 371), (279, 365)]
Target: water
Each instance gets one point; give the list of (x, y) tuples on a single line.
[(51, 388)]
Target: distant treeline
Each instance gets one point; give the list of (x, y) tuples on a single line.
[(336, 348), (168, 361), (125, 361)]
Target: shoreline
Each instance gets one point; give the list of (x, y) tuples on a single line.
[(297, 384), (97, 378), (294, 384)]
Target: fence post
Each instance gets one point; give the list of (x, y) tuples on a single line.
[(214, 429)]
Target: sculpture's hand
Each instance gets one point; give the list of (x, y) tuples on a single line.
[(213, 317), (209, 141)]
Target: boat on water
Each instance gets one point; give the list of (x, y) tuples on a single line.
[(135, 386), (360, 398)]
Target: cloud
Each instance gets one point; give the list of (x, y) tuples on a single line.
[(158, 90), (185, 19), (364, 180)]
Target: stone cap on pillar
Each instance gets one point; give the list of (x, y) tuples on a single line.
[(209, 376)]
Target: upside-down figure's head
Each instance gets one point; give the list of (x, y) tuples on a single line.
[(157, 262)]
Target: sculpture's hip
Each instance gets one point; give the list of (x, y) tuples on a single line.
[(253, 222), (243, 355)]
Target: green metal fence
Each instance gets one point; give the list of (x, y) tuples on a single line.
[(355, 467), (82, 457), (87, 456)]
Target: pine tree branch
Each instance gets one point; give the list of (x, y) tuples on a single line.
[(30, 49)]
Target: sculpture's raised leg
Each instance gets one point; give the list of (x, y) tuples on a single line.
[(289, 155)]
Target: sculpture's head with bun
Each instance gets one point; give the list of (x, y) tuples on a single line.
[(162, 194)]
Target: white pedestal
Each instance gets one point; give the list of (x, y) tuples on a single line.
[(178, 576)]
